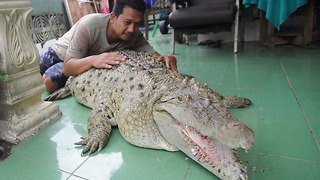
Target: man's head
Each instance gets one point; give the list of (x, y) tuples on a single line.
[(126, 18), (138, 5)]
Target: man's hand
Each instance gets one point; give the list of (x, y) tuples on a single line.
[(73, 66), (106, 60), (170, 61)]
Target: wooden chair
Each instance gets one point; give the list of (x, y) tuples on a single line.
[(155, 7)]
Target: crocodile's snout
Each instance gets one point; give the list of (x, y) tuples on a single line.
[(247, 139), (235, 135)]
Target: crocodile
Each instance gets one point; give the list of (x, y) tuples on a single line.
[(154, 107)]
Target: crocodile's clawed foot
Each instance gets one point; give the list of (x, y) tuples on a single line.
[(246, 102), (92, 144)]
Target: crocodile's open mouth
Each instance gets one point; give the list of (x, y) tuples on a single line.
[(209, 152), (202, 146)]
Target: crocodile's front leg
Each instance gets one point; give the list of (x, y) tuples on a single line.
[(99, 129)]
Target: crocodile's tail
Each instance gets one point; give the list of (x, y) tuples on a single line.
[(59, 94)]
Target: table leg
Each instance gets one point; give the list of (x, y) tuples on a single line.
[(265, 39), (263, 28), (309, 23)]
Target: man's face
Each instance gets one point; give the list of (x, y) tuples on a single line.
[(127, 24)]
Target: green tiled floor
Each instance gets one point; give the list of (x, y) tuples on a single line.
[(283, 82)]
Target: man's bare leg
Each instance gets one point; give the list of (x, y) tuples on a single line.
[(50, 87)]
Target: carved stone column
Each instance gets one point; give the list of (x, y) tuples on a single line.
[(22, 112)]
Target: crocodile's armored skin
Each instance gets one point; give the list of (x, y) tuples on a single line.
[(154, 107)]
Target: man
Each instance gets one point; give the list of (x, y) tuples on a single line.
[(89, 42)]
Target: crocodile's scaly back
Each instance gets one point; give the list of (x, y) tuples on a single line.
[(154, 107), (140, 73)]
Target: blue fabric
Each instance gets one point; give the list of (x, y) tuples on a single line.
[(149, 2), (52, 67), (277, 11)]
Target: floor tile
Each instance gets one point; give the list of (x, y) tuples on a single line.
[(315, 127), (264, 167), (310, 103), (74, 177), (196, 171), (276, 81), (280, 135), (252, 67), (17, 168), (304, 76), (54, 146), (290, 53), (204, 70), (70, 108), (263, 56), (121, 160), (268, 101)]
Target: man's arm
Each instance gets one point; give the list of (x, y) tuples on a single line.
[(170, 61), (75, 66)]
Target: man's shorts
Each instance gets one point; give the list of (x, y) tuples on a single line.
[(51, 66)]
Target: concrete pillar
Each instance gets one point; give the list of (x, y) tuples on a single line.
[(22, 112)]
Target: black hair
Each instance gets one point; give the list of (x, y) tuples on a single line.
[(119, 5)]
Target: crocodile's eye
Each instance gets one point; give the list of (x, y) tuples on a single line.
[(175, 99), (180, 99)]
